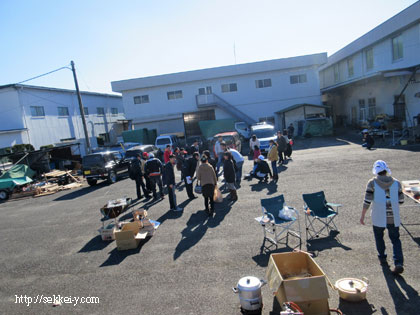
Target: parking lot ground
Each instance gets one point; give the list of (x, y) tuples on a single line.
[(50, 245)]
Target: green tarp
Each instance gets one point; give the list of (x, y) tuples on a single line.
[(18, 171), (318, 127), (209, 128), (18, 174)]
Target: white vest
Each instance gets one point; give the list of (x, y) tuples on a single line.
[(378, 212)]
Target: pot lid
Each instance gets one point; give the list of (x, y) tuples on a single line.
[(351, 285), (249, 284)]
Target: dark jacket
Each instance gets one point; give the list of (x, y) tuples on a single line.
[(282, 144), (263, 167), (193, 149), (169, 174), (153, 167), (213, 163), (189, 166), (135, 169), (229, 171)]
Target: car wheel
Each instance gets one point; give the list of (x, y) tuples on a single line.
[(4, 195), (112, 177), (92, 182)]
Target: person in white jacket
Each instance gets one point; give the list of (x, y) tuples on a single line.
[(252, 143)]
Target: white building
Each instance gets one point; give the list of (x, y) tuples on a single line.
[(246, 92), (364, 78), (43, 116)]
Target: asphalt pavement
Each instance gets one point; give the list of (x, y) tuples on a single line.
[(51, 247)]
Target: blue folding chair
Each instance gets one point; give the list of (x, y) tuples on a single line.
[(319, 215), (275, 228)]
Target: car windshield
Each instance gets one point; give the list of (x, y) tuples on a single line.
[(227, 139), (132, 153), (90, 160), (162, 141), (264, 133)]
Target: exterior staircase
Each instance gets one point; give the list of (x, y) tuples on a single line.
[(209, 100)]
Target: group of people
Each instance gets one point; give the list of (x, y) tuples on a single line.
[(151, 175), (278, 152)]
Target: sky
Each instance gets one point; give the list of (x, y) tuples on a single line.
[(117, 40)]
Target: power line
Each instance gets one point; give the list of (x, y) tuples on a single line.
[(41, 75)]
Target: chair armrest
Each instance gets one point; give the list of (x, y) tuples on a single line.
[(332, 205)]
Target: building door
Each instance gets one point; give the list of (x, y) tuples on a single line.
[(191, 120), (205, 91), (399, 108)]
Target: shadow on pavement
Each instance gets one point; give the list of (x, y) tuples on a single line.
[(198, 224), (271, 187), (318, 142), (356, 308), (415, 239), (94, 244), (116, 256), (263, 257), (324, 243), (81, 192), (407, 302)]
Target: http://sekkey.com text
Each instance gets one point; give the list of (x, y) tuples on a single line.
[(55, 299)]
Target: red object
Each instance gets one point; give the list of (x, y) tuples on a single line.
[(166, 155), (257, 153), (145, 154), (291, 142)]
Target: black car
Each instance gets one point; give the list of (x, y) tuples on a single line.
[(202, 143), (104, 165), (131, 153)]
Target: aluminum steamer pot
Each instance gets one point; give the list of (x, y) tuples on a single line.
[(352, 289), (249, 289)]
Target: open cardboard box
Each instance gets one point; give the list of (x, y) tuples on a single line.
[(310, 293), (108, 232), (129, 236)]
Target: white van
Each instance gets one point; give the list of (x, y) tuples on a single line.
[(163, 140)]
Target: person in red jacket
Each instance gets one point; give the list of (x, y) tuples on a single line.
[(167, 153)]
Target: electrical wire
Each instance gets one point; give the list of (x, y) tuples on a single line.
[(44, 74)]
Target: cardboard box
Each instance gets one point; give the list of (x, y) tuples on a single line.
[(139, 214), (296, 277), (129, 236), (108, 232)]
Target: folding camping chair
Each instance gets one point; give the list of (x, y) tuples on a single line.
[(318, 210), (275, 228)]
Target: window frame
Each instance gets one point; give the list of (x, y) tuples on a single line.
[(362, 108), (174, 95), (368, 56), (350, 65), (86, 110), (400, 48), (112, 111), (141, 99), (66, 109), (263, 83), (36, 109), (97, 111), (229, 87), (298, 78)]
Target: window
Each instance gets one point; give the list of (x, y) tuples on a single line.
[(362, 110), (37, 111), (174, 95), (369, 58), (301, 78), (63, 111), (231, 87), (336, 73), (262, 83), (114, 111), (86, 111), (372, 108), (350, 67), (397, 48), (141, 99), (100, 111)]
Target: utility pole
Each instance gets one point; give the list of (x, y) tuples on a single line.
[(82, 110)]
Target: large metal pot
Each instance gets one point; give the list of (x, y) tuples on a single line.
[(249, 289), (352, 289)]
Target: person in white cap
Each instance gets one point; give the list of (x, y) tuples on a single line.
[(384, 195), (261, 170)]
